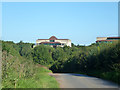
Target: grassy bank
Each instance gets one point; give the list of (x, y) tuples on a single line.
[(41, 79), (21, 72)]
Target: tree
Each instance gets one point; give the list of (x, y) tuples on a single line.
[(42, 55)]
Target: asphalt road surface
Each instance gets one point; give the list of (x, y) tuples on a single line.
[(82, 81)]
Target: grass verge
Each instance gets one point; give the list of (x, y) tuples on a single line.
[(19, 72)]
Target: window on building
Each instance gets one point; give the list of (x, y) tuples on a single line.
[(52, 40), (57, 44)]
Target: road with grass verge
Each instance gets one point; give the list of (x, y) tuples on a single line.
[(67, 80)]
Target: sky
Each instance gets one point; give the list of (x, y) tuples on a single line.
[(81, 22)]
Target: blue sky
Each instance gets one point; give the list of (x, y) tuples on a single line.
[(81, 22)]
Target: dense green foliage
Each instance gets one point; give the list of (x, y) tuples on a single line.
[(19, 70), (42, 55), (100, 60)]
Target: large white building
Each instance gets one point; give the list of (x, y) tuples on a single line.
[(54, 42)]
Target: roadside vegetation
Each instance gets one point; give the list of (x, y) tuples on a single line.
[(19, 70), (22, 63), (98, 59)]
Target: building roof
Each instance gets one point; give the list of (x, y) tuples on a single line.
[(52, 38), (113, 37), (50, 42), (105, 40)]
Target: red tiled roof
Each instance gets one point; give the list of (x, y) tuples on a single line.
[(50, 42), (52, 38)]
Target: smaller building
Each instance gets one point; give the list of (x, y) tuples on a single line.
[(54, 42), (107, 39)]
